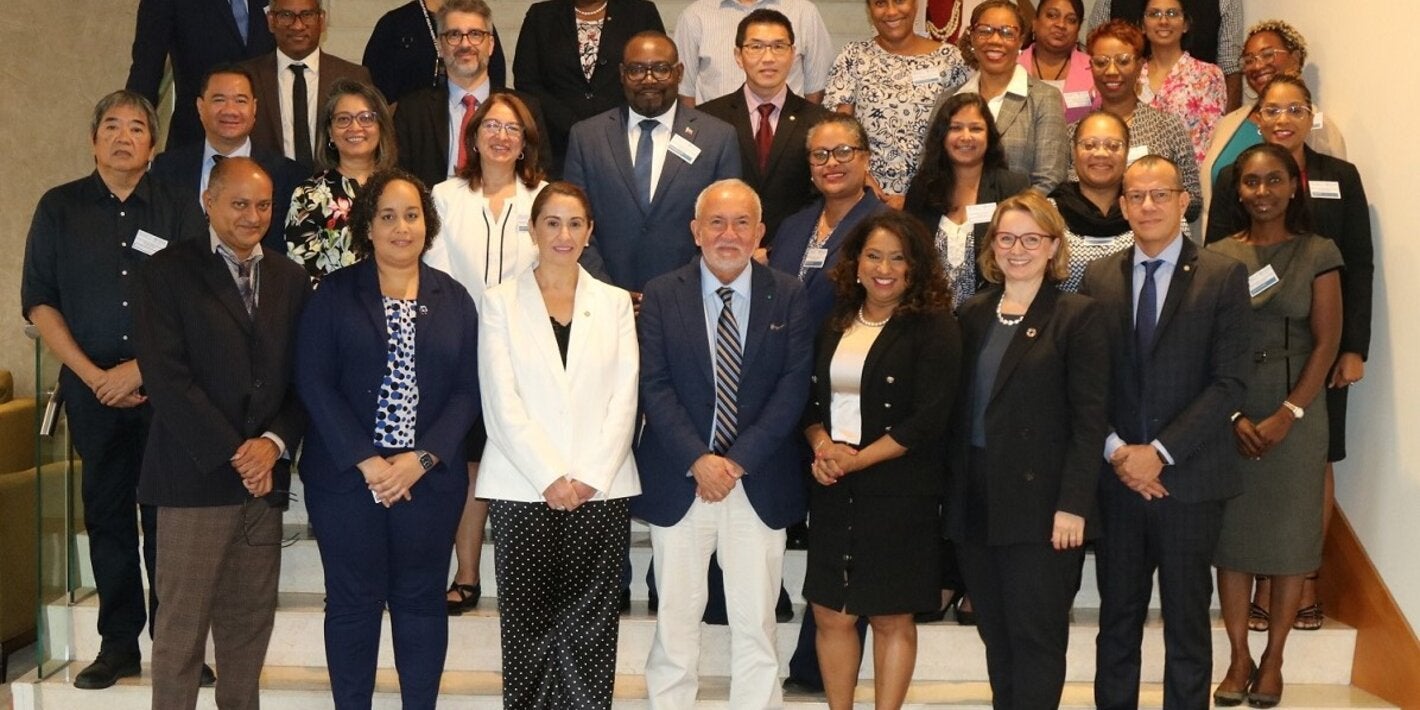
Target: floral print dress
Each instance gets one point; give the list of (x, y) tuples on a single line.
[(318, 224), (1194, 91)]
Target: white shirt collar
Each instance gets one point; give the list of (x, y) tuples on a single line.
[(480, 92), (216, 243), (312, 62), (1169, 255), (666, 119), (1019, 85), (710, 283), (242, 151)]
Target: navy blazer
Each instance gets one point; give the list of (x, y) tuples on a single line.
[(341, 347), (634, 243), (788, 252), (181, 168), (678, 396)]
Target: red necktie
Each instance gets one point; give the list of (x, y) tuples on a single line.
[(470, 107), (765, 137)]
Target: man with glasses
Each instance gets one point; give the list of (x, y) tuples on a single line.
[(430, 122), (293, 82), (1180, 364), (708, 30), (1214, 35)]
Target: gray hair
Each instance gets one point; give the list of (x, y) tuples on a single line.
[(124, 97), (729, 182), (476, 7)]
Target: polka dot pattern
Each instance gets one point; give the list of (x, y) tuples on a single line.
[(399, 390)]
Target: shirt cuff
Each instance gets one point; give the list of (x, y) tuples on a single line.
[(280, 443), (1112, 445), (1160, 446)]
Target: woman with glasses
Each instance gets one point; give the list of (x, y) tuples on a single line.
[(1055, 57), (486, 210), (1026, 442), (1173, 81), (1095, 226), (1274, 526), (877, 419), (890, 84), (1028, 113), (355, 135)]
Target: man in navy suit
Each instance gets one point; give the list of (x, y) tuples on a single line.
[(726, 346), (1180, 319)]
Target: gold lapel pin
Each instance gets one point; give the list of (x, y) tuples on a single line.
[(1030, 332)]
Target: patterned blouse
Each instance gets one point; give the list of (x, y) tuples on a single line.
[(318, 223), (589, 42), (892, 96), (399, 390), (956, 249), (1195, 92)]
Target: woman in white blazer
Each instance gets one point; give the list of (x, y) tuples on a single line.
[(558, 350)]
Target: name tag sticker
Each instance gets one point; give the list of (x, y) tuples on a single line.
[(980, 213), (1317, 122), (926, 76), (814, 257), (522, 223), (149, 243), (1261, 280), (1325, 189), (684, 149), (1136, 152), (1078, 99)]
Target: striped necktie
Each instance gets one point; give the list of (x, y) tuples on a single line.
[(728, 358)]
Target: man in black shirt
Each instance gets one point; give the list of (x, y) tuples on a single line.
[(85, 244)]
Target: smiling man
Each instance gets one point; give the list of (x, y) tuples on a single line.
[(703, 36)]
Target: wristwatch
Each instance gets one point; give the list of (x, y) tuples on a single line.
[(1297, 412), (426, 460)]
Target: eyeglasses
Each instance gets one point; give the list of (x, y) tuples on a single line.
[(1102, 61), (1110, 145), (1159, 196), (1172, 13), (364, 118), (842, 154), (286, 18), (1273, 111), (454, 38), (1008, 33), (1263, 57), (638, 72), (757, 49), (491, 128), (1030, 241)]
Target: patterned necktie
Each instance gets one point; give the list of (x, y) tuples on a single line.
[(470, 107), (764, 138), (300, 115), (239, 13), (642, 168), (728, 358), (245, 271)]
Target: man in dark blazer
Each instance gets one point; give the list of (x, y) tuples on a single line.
[(227, 108), (297, 26), (773, 155), (641, 206), (215, 333), (718, 457), (197, 35), (1179, 369)]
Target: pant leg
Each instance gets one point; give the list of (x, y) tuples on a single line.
[(525, 560), (1125, 573), (193, 546), (752, 556), (593, 543), (1038, 587), (981, 567), (244, 611), (680, 553), (1187, 534)]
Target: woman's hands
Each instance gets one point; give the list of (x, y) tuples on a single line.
[(1069, 531), (1254, 440), (567, 494), (390, 479), (833, 461)]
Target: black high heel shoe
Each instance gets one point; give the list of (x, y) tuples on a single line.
[(469, 594), (1233, 698), (932, 617)]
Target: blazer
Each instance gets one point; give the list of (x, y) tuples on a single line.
[(1046, 420), (421, 124), (1079, 82), (269, 131), (678, 396), (785, 186), (548, 64), (996, 184), (633, 242), (1326, 140), (1033, 133), (797, 230), (1346, 221), (341, 348), (909, 382), (181, 167), (1198, 367), (402, 56), (216, 375), (547, 420), (197, 35)]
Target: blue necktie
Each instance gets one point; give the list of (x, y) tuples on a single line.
[(239, 12), (729, 356), (1147, 317), (643, 161)]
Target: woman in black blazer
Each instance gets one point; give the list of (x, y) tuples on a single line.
[(385, 365), (877, 419), (1026, 449), (569, 57)]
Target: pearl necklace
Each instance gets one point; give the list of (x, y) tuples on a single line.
[(1003, 320), (589, 13), (869, 323)]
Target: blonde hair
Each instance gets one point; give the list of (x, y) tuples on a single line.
[(1044, 213)]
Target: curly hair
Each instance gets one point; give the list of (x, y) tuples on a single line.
[(936, 178), (367, 204), (528, 169), (1291, 38), (1122, 30), (1298, 217), (927, 287)]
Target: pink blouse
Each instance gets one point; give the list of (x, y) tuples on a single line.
[(1195, 92)]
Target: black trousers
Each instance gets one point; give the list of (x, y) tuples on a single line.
[(110, 442), (1177, 539), (558, 588)]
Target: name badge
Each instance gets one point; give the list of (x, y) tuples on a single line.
[(926, 76), (1325, 189), (1136, 152), (522, 223), (814, 257), (980, 213), (1317, 122), (684, 149), (1261, 280), (1078, 99), (149, 243)]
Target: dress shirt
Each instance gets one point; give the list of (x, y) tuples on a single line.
[(660, 140), (285, 82), (705, 36), (753, 102), (1019, 85), (739, 305), (456, 111), (209, 162)]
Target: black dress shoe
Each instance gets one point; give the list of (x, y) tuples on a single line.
[(208, 678), (469, 594), (107, 669), (796, 686)]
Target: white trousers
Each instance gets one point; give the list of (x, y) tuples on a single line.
[(752, 557)]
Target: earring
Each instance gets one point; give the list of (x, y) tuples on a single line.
[(520, 155)]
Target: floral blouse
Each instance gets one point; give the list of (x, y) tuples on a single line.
[(589, 42), (892, 96), (1194, 91), (318, 224)]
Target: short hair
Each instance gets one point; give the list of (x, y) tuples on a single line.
[(833, 118), (936, 179), (653, 34), (227, 68), (224, 169), (927, 288), (1122, 30), (1291, 38), (1077, 5), (729, 182), (1281, 79), (529, 166), (763, 16), (559, 188), (1044, 213), (124, 97), (367, 204), (1101, 113), (964, 40), (1154, 160), (1298, 217), (474, 7), (386, 153)]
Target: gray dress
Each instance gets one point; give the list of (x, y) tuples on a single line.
[(1274, 526)]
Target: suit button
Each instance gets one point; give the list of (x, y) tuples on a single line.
[(891, 379), (887, 405), (1030, 476), (1025, 433), (813, 378), (251, 421), (588, 96), (887, 428), (256, 384)]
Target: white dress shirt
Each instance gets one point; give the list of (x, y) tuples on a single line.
[(481, 248), (705, 38), (660, 141), (739, 305), (209, 161), (286, 82)]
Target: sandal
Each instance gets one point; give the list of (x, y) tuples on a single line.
[(1309, 618), (1258, 619), (469, 595)]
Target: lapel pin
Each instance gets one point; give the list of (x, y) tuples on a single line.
[(1187, 267), (586, 314), (791, 118), (423, 310), (689, 132), (1030, 332)]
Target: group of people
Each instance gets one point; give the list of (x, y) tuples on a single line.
[(939, 295)]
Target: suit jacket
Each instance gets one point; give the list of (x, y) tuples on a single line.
[(181, 168), (678, 396), (197, 35), (341, 348), (784, 187), (269, 131), (1346, 221), (402, 56), (1033, 134), (634, 243), (421, 123), (797, 230), (548, 62), (909, 382), (1046, 420), (1198, 367), (545, 419), (216, 375)]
